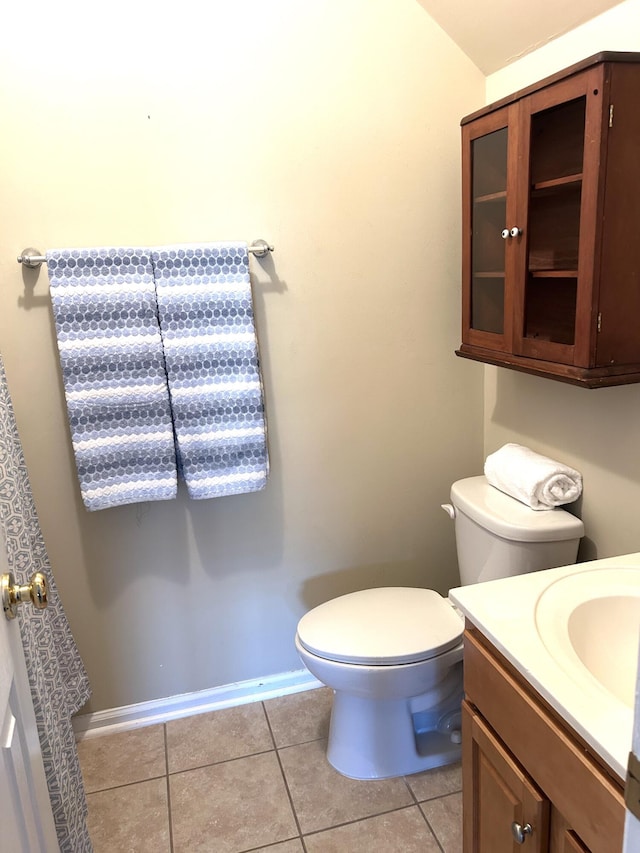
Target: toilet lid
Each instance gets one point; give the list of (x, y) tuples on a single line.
[(386, 626)]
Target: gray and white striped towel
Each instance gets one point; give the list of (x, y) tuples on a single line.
[(211, 352), (113, 372)]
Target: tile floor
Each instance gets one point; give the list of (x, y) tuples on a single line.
[(255, 778)]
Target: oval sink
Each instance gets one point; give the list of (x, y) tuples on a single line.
[(589, 622)]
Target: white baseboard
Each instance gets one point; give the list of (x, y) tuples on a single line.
[(173, 707)]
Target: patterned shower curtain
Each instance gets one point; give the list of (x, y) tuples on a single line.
[(59, 683)]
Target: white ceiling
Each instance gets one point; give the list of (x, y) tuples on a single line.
[(494, 33)]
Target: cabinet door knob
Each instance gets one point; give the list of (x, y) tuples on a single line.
[(505, 233), (515, 231), (520, 832)]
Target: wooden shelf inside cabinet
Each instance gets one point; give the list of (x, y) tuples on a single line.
[(489, 274), (490, 197), (553, 273), (556, 183)]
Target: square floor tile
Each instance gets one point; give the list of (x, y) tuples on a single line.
[(445, 818), (217, 736), (132, 819), (108, 761), (403, 830), (436, 782), (322, 797), (300, 717), (231, 806)]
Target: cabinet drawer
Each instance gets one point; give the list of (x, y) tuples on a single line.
[(590, 800)]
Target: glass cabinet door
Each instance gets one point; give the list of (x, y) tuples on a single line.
[(555, 191), (488, 219), (487, 302), (561, 131)]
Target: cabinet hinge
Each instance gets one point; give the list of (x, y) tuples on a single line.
[(610, 115), (599, 323), (632, 786)]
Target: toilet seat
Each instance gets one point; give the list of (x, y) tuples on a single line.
[(384, 626)]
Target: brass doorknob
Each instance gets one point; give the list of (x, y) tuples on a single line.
[(14, 593)]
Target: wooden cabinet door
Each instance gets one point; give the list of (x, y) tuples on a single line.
[(489, 153), (498, 795), (562, 838), (560, 197), (572, 844)]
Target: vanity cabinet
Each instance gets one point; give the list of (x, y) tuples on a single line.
[(529, 783), (551, 209)]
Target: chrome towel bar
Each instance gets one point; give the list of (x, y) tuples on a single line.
[(32, 258)]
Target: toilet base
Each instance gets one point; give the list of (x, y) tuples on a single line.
[(381, 738)]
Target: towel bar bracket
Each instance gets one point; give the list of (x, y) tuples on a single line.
[(260, 248), (32, 258)]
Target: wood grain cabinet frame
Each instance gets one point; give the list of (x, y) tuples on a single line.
[(523, 765), (551, 215)]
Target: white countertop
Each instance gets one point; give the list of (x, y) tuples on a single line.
[(505, 612)]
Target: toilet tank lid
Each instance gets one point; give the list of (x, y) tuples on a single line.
[(509, 518)]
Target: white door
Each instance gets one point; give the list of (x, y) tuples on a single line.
[(632, 823), (26, 820)]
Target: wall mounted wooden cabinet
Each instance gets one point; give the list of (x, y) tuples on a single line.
[(551, 226)]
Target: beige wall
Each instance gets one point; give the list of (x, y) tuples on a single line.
[(597, 431), (331, 129)]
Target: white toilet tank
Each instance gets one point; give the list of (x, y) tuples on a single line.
[(498, 537)]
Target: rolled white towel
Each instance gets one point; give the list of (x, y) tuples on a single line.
[(535, 480)]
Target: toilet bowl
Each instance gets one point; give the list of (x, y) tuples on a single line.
[(393, 655)]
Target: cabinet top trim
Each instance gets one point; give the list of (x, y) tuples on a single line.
[(596, 59)]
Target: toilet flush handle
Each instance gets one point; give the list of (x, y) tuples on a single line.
[(449, 509)]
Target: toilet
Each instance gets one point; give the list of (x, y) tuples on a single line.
[(393, 655)]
